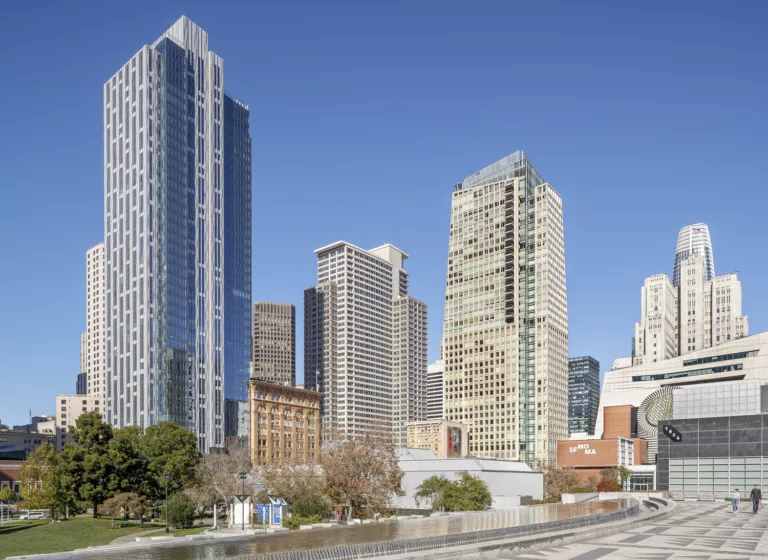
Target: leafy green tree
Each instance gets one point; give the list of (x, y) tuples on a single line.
[(41, 481), (468, 493), (85, 462), (6, 495), (431, 489), (181, 510), (168, 448), (128, 463)]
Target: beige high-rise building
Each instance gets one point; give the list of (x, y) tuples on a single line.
[(409, 363), (274, 342), (95, 343), (364, 341), (505, 337)]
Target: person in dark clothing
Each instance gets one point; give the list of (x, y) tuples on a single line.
[(756, 496)]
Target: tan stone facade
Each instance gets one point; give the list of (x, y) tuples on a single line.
[(285, 423), (445, 439)]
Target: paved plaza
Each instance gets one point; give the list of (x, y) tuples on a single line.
[(695, 530)]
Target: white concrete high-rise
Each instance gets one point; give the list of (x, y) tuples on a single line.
[(95, 334), (435, 390), (697, 315), (358, 346), (505, 337), (694, 240), (177, 222)]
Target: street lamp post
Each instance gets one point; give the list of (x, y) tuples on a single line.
[(243, 476), (166, 476)]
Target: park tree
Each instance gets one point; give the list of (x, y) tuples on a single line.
[(168, 449), (41, 481), (129, 467), (362, 473), (128, 504), (85, 462)]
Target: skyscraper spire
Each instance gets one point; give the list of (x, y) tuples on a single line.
[(694, 240)]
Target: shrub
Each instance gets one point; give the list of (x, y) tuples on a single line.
[(609, 485), (310, 506), (181, 510), (295, 521)]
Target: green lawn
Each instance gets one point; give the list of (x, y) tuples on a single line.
[(36, 537)]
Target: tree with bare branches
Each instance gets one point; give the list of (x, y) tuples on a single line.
[(218, 476), (362, 473), (291, 481)]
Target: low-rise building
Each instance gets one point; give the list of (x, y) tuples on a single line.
[(508, 481), (9, 475), (445, 439), (285, 423), (17, 445), (619, 446)]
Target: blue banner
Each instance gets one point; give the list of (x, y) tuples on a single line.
[(276, 514)]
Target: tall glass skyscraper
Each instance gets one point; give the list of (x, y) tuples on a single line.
[(505, 336), (583, 394), (177, 214), (694, 240)]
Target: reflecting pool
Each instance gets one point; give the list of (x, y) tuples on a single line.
[(355, 534)]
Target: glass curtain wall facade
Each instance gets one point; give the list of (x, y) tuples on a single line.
[(505, 332), (694, 240), (583, 394), (237, 264), (165, 237)]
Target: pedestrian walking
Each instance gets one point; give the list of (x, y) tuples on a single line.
[(756, 496), (735, 497)]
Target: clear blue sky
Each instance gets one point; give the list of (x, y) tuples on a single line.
[(645, 116)]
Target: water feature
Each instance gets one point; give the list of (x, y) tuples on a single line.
[(356, 534)]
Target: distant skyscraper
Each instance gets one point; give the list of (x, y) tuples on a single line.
[(435, 390), (505, 337), (274, 342), (81, 387), (177, 231), (409, 365), (351, 350), (583, 394), (694, 240)]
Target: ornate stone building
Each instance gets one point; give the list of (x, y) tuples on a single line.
[(285, 423)]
